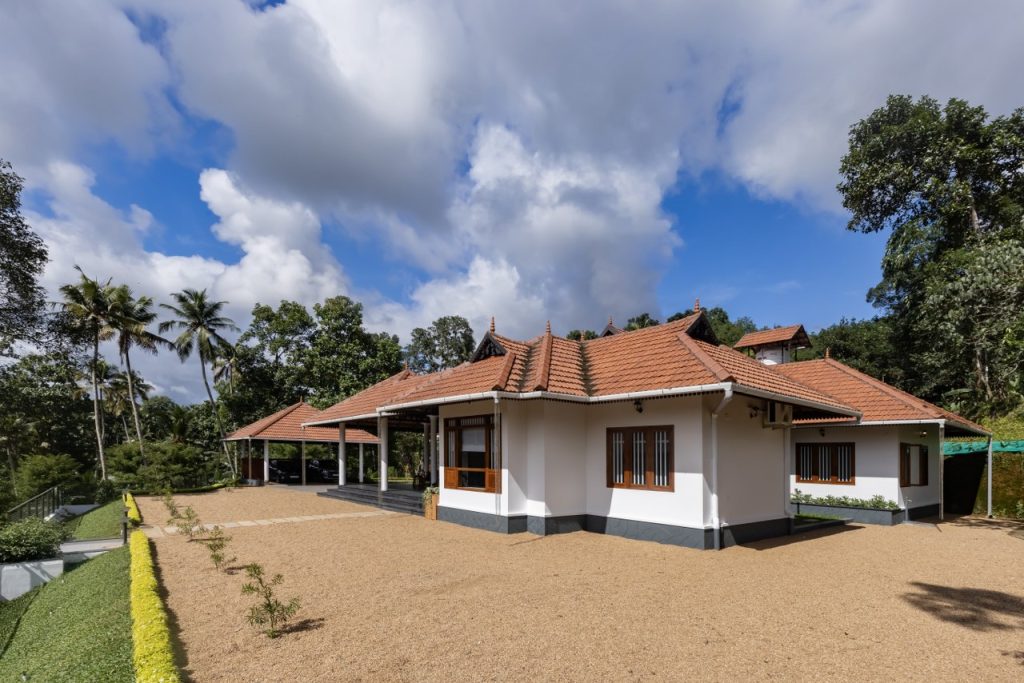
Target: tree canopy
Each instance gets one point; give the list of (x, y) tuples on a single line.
[(22, 259), (446, 343)]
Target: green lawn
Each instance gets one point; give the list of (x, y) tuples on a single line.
[(75, 628), (103, 522)]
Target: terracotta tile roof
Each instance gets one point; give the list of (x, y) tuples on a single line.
[(660, 357), (779, 334), (367, 401), (286, 425), (874, 398)]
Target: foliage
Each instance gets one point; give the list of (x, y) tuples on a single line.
[(1007, 487), (36, 473), (30, 539), (172, 506), (75, 628), (103, 522), (134, 516), (22, 259), (640, 321), (446, 343), (727, 330), (874, 503), (429, 493), (216, 542), (105, 492), (862, 344), (189, 524), (167, 465), (948, 183), (153, 655), (581, 335), (270, 613)]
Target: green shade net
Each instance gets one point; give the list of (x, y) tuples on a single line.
[(961, 447)]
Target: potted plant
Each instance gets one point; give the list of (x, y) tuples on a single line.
[(430, 496)]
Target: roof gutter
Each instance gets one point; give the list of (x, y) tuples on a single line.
[(926, 421), (335, 420), (760, 393)]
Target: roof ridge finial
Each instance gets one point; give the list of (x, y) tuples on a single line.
[(828, 352), (696, 305), (611, 322), (492, 324), (547, 330)]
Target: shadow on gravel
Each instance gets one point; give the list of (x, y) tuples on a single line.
[(304, 625), (973, 608)]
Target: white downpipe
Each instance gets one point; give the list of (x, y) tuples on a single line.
[(382, 437), (988, 474), (716, 521), (496, 457), (361, 467), (787, 455), (341, 454), (942, 472)]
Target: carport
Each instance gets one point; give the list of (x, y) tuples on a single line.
[(285, 426), (985, 447)]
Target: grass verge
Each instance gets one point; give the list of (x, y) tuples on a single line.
[(103, 522), (75, 628)]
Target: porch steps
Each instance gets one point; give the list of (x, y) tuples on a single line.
[(396, 500)]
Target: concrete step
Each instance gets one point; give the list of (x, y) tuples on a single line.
[(410, 502)]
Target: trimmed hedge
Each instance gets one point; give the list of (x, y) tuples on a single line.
[(153, 654), (134, 516), (30, 539)]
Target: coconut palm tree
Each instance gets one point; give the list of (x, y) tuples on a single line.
[(130, 318), (88, 304), (200, 324), (120, 393)]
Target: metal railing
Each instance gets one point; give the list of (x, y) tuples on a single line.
[(41, 506)]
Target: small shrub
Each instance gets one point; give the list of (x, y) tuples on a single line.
[(216, 542), (172, 507), (270, 613), (429, 493), (30, 539), (105, 492), (878, 502), (189, 524)]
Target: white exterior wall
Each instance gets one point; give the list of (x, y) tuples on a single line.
[(682, 507), (877, 464), (475, 501), (924, 435), (751, 463), (564, 460)]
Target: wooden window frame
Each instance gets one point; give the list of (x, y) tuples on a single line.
[(627, 460), (906, 466), (453, 428), (833, 479)]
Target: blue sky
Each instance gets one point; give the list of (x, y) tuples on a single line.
[(524, 160)]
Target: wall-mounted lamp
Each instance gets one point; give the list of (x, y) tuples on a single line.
[(638, 406), (821, 432), (754, 410)]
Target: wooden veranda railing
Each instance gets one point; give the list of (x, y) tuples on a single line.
[(41, 506)]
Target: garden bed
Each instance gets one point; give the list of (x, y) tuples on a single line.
[(855, 514)]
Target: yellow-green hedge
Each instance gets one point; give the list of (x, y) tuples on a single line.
[(134, 516), (151, 638)]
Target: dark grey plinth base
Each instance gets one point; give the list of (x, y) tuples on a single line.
[(923, 511), (687, 537), (861, 515), (754, 531), (482, 520)]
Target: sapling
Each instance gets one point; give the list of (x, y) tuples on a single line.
[(172, 507), (189, 524), (216, 542), (270, 613)]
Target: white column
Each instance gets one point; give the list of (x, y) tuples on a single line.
[(988, 474), (942, 472), (266, 461), (360, 463), (341, 454), (382, 435), (433, 450), (425, 461), (302, 458), (787, 441)]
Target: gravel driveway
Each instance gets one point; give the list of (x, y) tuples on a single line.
[(400, 598)]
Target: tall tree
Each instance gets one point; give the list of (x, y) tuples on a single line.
[(948, 183), (130, 319), (88, 303), (641, 321), (200, 326), (22, 258), (446, 343), (581, 335)]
